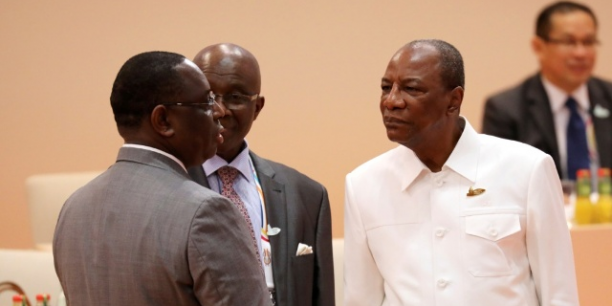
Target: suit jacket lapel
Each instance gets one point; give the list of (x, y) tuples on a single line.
[(539, 108), (276, 212), (599, 97), (197, 174)]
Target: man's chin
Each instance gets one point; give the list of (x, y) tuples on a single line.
[(209, 155), (229, 144), (221, 148)]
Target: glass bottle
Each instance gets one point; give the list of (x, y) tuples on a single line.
[(603, 206), (42, 299), (18, 300), (583, 213)]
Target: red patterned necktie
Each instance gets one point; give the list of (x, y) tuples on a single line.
[(227, 175)]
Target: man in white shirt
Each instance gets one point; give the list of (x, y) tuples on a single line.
[(538, 111), (451, 217)]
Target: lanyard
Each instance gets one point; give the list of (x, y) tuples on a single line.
[(265, 242), (264, 218), (591, 141)]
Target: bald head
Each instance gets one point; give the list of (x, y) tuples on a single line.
[(226, 59), (450, 60), (233, 74)]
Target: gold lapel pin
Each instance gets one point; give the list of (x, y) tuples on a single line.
[(474, 192)]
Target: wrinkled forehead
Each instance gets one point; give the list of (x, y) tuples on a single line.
[(231, 72), (419, 58), (192, 76), (224, 58), (574, 22), (415, 52)]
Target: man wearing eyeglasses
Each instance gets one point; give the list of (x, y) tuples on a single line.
[(289, 213), (143, 233), (559, 109)]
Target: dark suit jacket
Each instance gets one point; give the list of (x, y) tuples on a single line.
[(523, 113), (299, 206), (143, 233)]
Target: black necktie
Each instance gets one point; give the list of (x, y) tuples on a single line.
[(577, 147)]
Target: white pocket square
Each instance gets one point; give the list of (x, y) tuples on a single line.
[(303, 249)]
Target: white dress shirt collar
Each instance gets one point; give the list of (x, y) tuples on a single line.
[(143, 147), (463, 159), (557, 96), (241, 162)]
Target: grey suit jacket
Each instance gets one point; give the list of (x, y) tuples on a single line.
[(523, 113), (143, 233), (299, 206)]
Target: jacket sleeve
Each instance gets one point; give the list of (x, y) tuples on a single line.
[(221, 258), (497, 121), (324, 261)]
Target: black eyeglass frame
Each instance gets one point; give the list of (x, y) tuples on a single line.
[(573, 43), (237, 100), (206, 106)]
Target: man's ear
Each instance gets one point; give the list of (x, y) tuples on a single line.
[(259, 104), (160, 122), (537, 45), (456, 99)]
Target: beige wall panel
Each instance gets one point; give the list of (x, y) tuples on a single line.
[(321, 63)]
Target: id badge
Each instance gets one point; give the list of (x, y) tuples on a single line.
[(267, 260)]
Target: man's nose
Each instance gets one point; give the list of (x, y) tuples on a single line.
[(218, 110), (581, 49), (394, 98)]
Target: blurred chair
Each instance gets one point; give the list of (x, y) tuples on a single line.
[(28, 272), (46, 195), (338, 247)]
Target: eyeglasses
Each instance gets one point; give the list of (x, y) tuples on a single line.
[(235, 100), (206, 106), (571, 44)]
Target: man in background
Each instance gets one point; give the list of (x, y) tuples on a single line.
[(289, 213), (143, 233), (562, 110), (451, 217)]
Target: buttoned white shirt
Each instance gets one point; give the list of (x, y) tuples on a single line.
[(413, 237)]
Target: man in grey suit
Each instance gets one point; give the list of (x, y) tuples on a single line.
[(289, 212), (143, 233), (539, 111)]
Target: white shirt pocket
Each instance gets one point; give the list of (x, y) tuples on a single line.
[(483, 253)]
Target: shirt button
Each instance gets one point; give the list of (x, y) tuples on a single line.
[(440, 232), (442, 283), (493, 232), (439, 183)]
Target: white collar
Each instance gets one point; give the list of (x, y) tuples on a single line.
[(463, 159), (557, 96), (143, 147)]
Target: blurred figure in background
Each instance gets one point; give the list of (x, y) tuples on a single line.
[(562, 110)]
